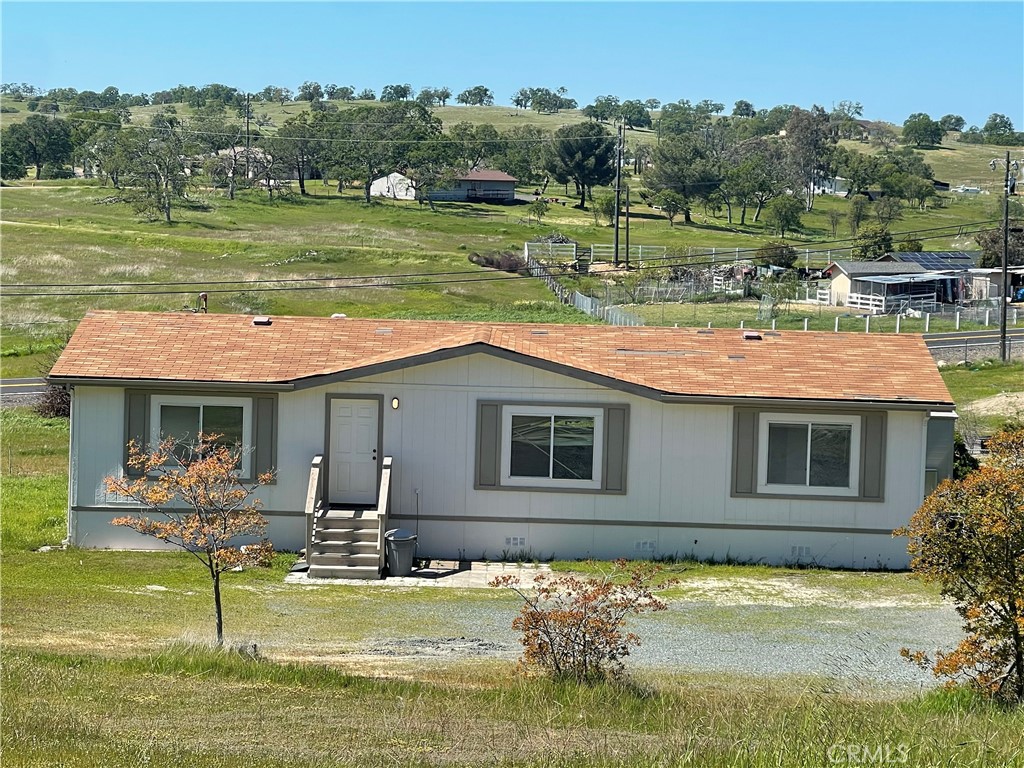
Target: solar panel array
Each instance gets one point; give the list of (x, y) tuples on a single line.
[(938, 260)]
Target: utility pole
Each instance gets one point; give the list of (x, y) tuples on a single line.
[(1004, 292), (247, 112), (618, 189), (627, 226)]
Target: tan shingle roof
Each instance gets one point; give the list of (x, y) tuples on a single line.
[(486, 174), (230, 349)]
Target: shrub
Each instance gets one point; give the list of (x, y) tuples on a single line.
[(506, 261), (52, 171), (968, 537), (572, 626), (55, 402), (777, 254)]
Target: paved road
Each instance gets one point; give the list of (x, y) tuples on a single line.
[(987, 338), (18, 391)]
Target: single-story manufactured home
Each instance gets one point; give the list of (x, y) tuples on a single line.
[(553, 440), (481, 184)]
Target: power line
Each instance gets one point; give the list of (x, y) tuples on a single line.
[(273, 286), (393, 276), (255, 282)]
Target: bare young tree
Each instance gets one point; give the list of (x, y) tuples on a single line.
[(195, 500)]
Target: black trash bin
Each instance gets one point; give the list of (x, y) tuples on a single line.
[(400, 547)]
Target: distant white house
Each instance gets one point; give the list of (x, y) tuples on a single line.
[(395, 186), (837, 185), (478, 184)]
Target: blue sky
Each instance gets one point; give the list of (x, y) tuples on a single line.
[(894, 58)]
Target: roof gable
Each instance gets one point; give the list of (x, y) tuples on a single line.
[(681, 362)]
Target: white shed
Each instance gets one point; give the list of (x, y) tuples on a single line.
[(394, 185)]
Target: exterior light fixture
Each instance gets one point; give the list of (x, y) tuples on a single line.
[(394, 403)]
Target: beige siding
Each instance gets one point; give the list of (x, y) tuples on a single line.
[(838, 289)]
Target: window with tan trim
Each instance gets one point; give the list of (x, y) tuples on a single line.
[(184, 417), (802, 454), (556, 446)]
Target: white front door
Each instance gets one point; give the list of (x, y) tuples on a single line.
[(354, 461)]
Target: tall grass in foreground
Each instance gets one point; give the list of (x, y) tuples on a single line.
[(33, 479), (195, 706)]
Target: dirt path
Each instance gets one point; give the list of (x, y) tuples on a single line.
[(1005, 404)]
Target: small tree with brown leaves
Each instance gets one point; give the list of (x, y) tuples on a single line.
[(968, 537), (573, 626), (198, 503)]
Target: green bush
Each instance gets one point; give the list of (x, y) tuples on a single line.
[(51, 171)]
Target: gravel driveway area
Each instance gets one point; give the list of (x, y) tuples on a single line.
[(758, 627)]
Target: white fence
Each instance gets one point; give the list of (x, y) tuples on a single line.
[(591, 306), (550, 251), (636, 252), (597, 308)]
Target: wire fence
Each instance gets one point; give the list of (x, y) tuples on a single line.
[(587, 304)]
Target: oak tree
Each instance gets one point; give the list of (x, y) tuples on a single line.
[(921, 131), (40, 141), (783, 214)]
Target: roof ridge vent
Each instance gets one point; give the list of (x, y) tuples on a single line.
[(262, 320)]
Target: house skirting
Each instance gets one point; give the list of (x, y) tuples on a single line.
[(487, 538)]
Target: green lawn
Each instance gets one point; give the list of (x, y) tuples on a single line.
[(819, 318), (107, 662), (983, 379)]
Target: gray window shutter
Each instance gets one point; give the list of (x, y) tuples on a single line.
[(136, 426), (488, 445), (616, 444), (939, 455), (872, 457), (264, 435), (744, 451)]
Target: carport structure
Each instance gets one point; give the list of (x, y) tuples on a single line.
[(888, 294)]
